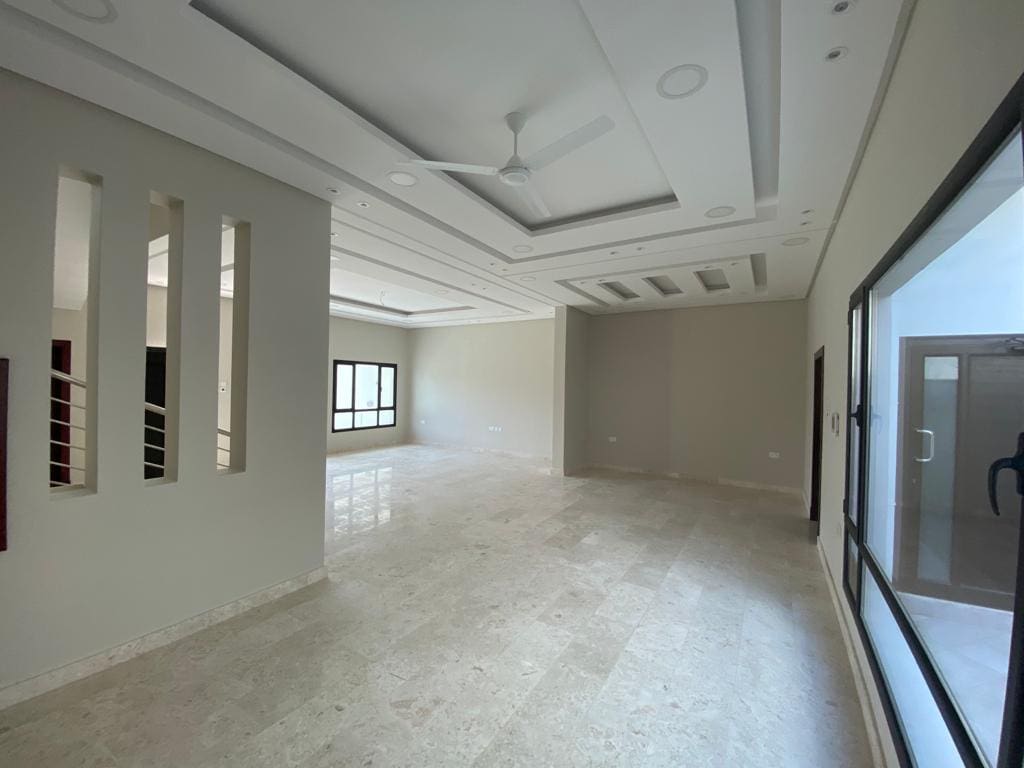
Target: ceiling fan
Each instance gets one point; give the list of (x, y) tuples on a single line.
[(517, 171)]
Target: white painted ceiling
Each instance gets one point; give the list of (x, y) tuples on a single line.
[(333, 96)]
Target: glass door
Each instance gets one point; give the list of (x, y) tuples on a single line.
[(935, 528)]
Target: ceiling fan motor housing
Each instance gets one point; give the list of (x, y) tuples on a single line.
[(514, 175)]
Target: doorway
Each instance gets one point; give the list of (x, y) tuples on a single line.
[(818, 426)]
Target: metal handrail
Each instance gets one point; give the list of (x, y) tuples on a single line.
[(67, 378)]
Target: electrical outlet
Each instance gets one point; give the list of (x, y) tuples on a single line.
[(773, 454), (612, 439)]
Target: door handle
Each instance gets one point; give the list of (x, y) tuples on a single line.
[(931, 446), (1015, 463)]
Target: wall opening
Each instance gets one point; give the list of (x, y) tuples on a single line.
[(72, 406), (163, 338), (233, 364)]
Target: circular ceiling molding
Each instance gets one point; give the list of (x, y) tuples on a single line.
[(403, 179), (682, 81), (362, 204), (837, 53), (96, 11), (332, 190), (839, 7), (720, 212), (796, 241), (522, 248), (528, 278)]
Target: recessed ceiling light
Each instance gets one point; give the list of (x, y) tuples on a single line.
[(334, 234), (522, 248), (837, 53), (682, 81), (443, 290), (639, 247), (527, 278), (796, 241), (807, 211), (402, 179), (805, 223), (333, 190), (842, 6), (720, 211), (97, 11), (363, 204)]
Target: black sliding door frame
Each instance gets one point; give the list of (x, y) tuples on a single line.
[(1004, 122)]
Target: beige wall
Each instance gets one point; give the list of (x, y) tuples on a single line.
[(571, 391), (705, 393), (372, 343), (958, 61), (468, 378), (88, 570)]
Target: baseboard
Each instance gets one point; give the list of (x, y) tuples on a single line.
[(483, 449), (694, 479), (76, 670), (859, 679)]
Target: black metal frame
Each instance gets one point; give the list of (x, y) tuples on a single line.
[(353, 410), (1007, 118)]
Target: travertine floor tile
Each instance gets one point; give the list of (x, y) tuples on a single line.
[(482, 612)]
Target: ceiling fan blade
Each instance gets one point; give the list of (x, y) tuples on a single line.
[(570, 142), (437, 165), (532, 198)]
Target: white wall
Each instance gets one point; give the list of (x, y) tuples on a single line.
[(371, 343), (468, 378), (89, 570), (957, 63)]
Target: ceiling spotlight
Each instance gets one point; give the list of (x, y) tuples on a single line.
[(613, 253), (639, 247), (334, 234), (96, 11), (402, 179), (333, 190), (842, 6), (527, 278), (720, 212), (362, 204), (807, 211), (522, 248), (443, 290), (796, 241), (837, 53), (682, 81)]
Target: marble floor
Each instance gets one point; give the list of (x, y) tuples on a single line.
[(481, 612)]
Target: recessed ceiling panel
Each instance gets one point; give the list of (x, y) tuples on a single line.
[(440, 76), (369, 290)]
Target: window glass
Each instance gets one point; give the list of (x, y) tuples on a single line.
[(366, 419), (853, 430), (343, 385), (366, 386), (387, 387), (387, 418), (946, 375), (342, 421)]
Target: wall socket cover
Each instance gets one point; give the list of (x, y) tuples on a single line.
[(613, 439), (773, 454)]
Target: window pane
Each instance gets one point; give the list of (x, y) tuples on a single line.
[(366, 386), (342, 421), (946, 377), (343, 385), (387, 418), (366, 419), (853, 431), (852, 565), (387, 387), (927, 736)]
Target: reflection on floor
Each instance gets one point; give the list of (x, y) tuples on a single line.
[(482, 612), (971, 647)]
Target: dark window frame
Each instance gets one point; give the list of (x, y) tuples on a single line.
[(335, 410), (1004, 122)]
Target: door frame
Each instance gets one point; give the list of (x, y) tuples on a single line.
[(817, 436)]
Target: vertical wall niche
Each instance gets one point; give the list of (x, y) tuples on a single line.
[(163, 338), (233, 366), (72, 403)]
